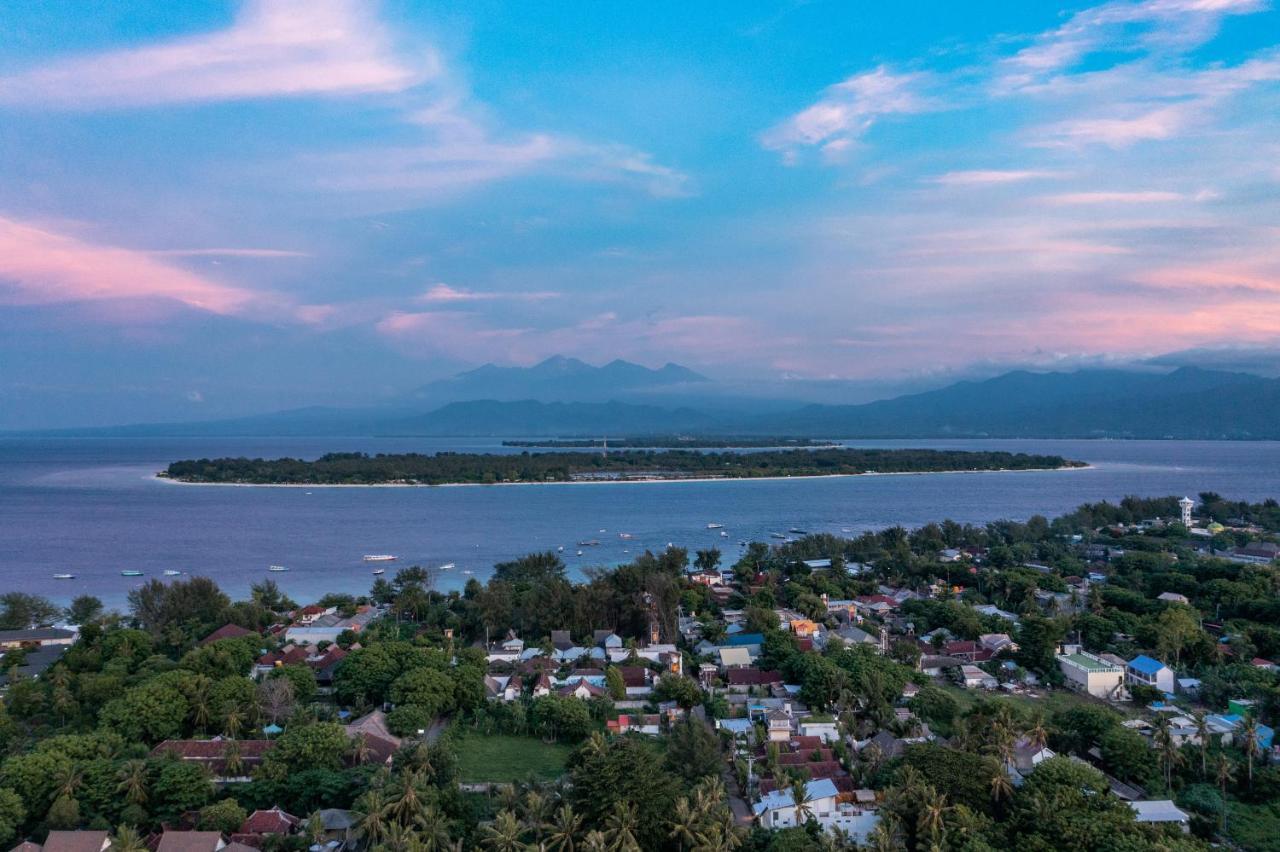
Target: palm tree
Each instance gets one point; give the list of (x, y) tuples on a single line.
[(407, 804), (371, 820), (1037, 734), (1202, 734), (399, 838), (564, 829), (717, 838), (1001, 787), (535, 811), (1170, 756), (232, 722), (360, 749), (804, 804), (684, 823), (433, 829), (932, 811), (198, 698), (315, 829), (503, 834), (1250, 743), (133, 782), (885, 836), (1224, 774), (127, 839), (595, 841), (232, 762), (620, 828), (66, 781)]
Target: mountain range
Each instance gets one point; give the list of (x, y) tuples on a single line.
[(567, 397)]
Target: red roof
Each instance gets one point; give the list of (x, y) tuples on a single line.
[(634, 676), (273, 821), (213, 753), (287, 656), (227, 631), (752, 677)]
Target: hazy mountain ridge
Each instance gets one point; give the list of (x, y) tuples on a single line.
[(1188, 403)]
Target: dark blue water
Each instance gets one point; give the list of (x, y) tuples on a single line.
[(92, 507)]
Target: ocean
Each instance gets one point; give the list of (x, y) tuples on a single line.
[(92, 507)]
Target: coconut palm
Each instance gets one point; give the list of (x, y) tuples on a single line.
[(1250, 742), (66, 781), (1224, 773), (433, 829), (198, 699), (233, 722), (127, 839), (620, 828), (684, 823), (371, 816), (360, 750), (562, 833), (132, 779), (1202, 734), (885, 836), (504, 833), (232, 761), (407, 802), (595, 841), (933, 811), (802, 801), (399, 838), (717, 839), (1001, 787), (315, 828), (536, 805)]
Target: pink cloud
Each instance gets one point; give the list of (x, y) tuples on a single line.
[(983, 177), (446, 294), (275, 48), (1143, 197), (229, 252), (39, 266)]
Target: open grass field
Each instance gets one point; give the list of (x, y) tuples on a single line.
[(503, 759)]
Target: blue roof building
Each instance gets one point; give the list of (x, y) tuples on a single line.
[(1149, 671)]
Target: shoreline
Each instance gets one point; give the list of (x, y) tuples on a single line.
[(677, 480)]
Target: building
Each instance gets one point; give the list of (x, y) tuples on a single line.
[(1160, 811), (778, 808), (37, 637), (191, 841), (1186, 504), (225, 760), (779, 726), (1087, 673), (71, 841), (1173, 597), (975, 678), (1149, 671)]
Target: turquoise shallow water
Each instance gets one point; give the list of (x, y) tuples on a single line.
[(92, 507)]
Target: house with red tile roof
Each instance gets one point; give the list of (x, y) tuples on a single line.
[(216, 755), (270, 821), (227, 631)]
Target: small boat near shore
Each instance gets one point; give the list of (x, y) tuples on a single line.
[(378, 571), (379, 557), (798, 531), (169, 572), (277, 569), (589, 543), (448, 566), (130, 573), (64, 576), (715, 526), (778, 535)]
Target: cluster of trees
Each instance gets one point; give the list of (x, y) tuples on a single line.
[(449, 468)]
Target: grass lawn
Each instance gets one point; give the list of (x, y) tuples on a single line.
[(1048, 701), (503, 759)]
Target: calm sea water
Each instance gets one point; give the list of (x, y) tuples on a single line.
[(92, 507)]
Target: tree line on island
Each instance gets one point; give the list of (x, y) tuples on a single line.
[(77, 741), (484, 468)]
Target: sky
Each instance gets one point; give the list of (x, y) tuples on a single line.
[(214, 208)]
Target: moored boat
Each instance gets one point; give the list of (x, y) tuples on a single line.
[(130, 573), (715, 526), (379, 557), (276, 568), (377, 571), (169, 572), (64, 576)]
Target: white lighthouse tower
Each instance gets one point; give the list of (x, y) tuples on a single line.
[(1185, 505)]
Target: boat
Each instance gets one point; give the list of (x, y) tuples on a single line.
[(579, 552), (277, 568), (169, 572), (589, 543), (723, 534), (715, 526), (777, 535), (625, 535), (379, 557), (448, 566), (130, 573), (466, 570), (377, 571), (64, 576), (560, 549), (798, 531)]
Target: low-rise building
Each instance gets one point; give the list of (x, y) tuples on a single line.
[(1085, 672), (1149, 671)]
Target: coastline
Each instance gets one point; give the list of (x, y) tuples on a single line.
[(655, 481)]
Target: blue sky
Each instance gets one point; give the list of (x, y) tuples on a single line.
[(214, 208)]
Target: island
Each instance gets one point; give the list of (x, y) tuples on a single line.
[(671, 442), (613, 466)]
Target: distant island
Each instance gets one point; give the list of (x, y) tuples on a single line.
[(621, 466), (670, 442)]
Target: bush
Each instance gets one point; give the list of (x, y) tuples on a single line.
[(408, 719)]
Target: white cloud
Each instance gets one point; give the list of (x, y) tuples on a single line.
[(275, 48), (847, 110), (443, 293), (982, 177)]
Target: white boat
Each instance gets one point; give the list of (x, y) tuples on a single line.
[(377, 571), (448, 566), (715, 526), (560, 549), (723, 534), (379, 557), (64, 576), (169, 572), (625, 535), (778, 535), (130, 573), (466, 570), (579, 552), (277, 568)]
